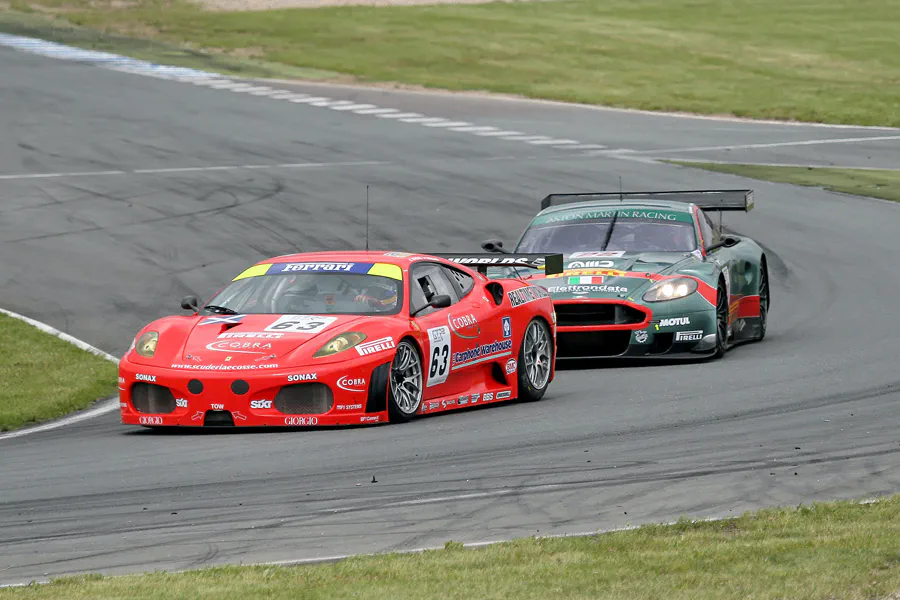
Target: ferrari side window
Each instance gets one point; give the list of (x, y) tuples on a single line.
[(427, 281), (465, 281)]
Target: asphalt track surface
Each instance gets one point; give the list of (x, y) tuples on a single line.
[(809, 414)]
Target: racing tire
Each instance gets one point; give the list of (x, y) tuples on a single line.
[(535, 361), (721, 322), (405, 383), (764, 301)]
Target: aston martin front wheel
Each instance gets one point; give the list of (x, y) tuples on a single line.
[(721, 322), (405, 383), (535, 361)]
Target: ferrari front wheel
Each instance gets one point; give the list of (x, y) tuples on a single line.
[(535, 361), (405, 384)]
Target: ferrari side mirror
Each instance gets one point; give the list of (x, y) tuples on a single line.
[(439, 301), (190, 303)]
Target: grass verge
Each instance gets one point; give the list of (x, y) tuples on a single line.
[(827, 550), (882, 184), (45, 377), (808, 60)]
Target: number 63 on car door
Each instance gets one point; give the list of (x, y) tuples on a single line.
[(439, 355)]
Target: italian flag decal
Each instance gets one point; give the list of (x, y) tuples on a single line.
[(585, 280)]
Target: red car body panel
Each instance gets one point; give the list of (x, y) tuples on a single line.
[(202, 359)]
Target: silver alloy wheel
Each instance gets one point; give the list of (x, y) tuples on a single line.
[(406, 379), (537, 355)]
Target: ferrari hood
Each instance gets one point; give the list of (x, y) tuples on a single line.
[(247, 339), (612, 274)]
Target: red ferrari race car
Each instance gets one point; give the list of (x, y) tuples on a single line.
[(344, 338)]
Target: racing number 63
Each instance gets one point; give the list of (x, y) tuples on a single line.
[(439, 338), (301, 324)]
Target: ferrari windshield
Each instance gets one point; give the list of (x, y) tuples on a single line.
[(310, 293), (613, 231)]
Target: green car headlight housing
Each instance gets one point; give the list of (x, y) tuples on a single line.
[(146, 344), (670, 289), (339, 343)]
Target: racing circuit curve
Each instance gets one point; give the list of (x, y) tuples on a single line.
[(165, 206)]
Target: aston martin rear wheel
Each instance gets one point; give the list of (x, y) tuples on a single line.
[(763, 301), (405, 385), (535, 361), (721, 322)]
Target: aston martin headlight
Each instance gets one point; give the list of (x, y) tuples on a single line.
[(339, 343), (146, 344), (670, 289)]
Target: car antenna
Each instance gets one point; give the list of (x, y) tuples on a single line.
[(621, 196), (367, 218)]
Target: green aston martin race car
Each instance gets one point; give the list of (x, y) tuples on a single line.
[(647, 274)]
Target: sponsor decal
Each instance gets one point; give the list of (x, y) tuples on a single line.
[(260, 404), (463, 400), (250, 335), (457, 323), (398, 254), (121, 379), (217, 406), (503, 261), (473, 355), (641, 336), (180, 403), (306, 421), (349, 406), (504, 395), (507, 327), (147, 378), (151, 420), (488, 397), (224, 367), (598, 254), (302, 377), (226, 320), (352, 384), (583, 215), (445, 402), (511, 366), (586, 280), (379, 345), (525, 295), (688, 336), (240, 347), (311, 324), (586, 289), (313, 267), (475, 398), (581, 264), (123, 405), (439, 355), (433, 405), (373, 419), (675, 321)]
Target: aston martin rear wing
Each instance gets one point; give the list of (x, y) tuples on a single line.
[(708, 200), (480, 261)]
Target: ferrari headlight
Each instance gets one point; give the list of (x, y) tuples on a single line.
[(146, 344), (339, 343), (670, 289)]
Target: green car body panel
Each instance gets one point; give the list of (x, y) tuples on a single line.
[(600, 298)]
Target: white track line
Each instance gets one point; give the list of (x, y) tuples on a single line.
[(175, 170), (102, 409), (773, 144)]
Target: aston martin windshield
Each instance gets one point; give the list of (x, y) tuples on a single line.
[(611, 230), (310, 293)]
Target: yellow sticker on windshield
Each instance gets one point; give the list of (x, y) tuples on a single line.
[(387, 270), (254, 271)]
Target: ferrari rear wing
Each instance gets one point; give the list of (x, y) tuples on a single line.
[(709, 200), (480, 261)]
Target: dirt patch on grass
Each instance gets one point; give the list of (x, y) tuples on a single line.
[(242, 5)]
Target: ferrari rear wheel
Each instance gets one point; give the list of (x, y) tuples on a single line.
[(535, 361), (405, 386), (721, 322), (763, 300)]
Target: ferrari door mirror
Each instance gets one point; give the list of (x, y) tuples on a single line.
[(190, 303), (439, 301), (493, 246)]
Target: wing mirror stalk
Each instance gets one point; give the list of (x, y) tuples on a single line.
[(191, 303), (439, 301)]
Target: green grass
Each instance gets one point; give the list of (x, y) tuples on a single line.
[(829, 550), (45, 377), (882, 184), (809, 60)]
